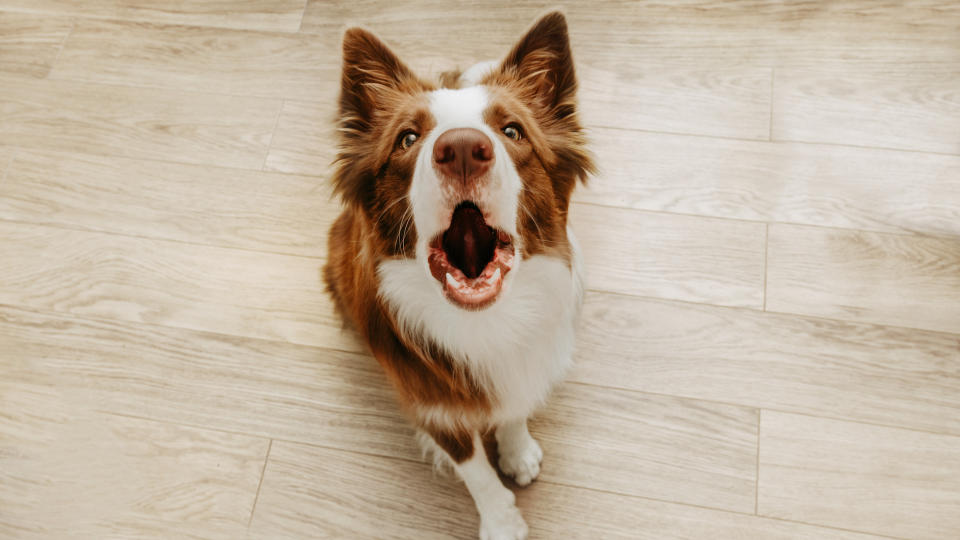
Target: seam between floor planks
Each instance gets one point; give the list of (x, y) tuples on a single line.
[(766, 263), (770, 120), (77, 228), (273, 135), (303, 13), (774, 141), (73, 24), (756, 489), (263, 472)]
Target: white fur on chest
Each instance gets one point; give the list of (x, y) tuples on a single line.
[(519, 347)]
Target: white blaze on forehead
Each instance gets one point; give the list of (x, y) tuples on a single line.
[(459, 108)]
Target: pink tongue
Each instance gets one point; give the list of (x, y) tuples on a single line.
[(469, 242)]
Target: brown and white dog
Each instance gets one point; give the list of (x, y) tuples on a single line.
[(452, 256)]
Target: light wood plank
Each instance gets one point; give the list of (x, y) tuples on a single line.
[(268, 389), (788, 182), (30, 43), (422, 36), (654, 446), (871, 373), (723, 102), (694, 32), (906, 109), (870, 277), (669, 256), (136, 122), (304, 141), (204, 205), (6, 159), (231, 291), (311, 492), (69, 472), (280, 15), (204, 59), (870, 478)]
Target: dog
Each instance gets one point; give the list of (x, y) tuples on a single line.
[(452, 256)]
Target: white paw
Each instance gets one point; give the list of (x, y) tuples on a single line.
[(504, 524), (521, 461)]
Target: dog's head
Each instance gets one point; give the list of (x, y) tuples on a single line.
[(469, 177)]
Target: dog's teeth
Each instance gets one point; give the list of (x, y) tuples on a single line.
[(450, 281), (495, 277)]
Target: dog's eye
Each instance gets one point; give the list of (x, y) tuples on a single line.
[(512, 131), (407, 139)]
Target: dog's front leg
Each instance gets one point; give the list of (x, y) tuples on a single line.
[(520, 454), (499, 517)]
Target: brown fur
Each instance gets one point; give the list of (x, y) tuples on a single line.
[(380, 99)]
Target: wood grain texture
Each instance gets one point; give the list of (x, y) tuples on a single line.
[(906, 109), (870, 277), (69, 472), (280, 15), (727, 102), (870, 478), (136, 122), (669, 256), (268, 389), (311, 492), (304, 140), (811, 184), (695, 32), (149, 267), (556, 511), (202, 205), (234, 62), (231, 291), (30, 43), (6, 158), (653, 446), (877, 374)]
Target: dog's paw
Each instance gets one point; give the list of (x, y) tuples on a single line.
[(505, 524), (521, 461)]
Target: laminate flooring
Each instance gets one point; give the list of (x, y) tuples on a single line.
[(770, 345)]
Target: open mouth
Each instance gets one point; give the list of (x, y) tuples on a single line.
[(471, 259)]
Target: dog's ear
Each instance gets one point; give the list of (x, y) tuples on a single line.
[(370, 69), (542, 64), (542, 61)]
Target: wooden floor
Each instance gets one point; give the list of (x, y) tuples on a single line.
[(770, 347)]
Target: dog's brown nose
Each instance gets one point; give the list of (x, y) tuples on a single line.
[(463, 154)]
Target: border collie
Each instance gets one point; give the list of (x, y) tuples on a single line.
[(453, 257)]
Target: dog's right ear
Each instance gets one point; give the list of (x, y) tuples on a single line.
[(370, 69)]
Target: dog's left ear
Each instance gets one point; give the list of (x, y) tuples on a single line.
[(370, 69), (542, 61)]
